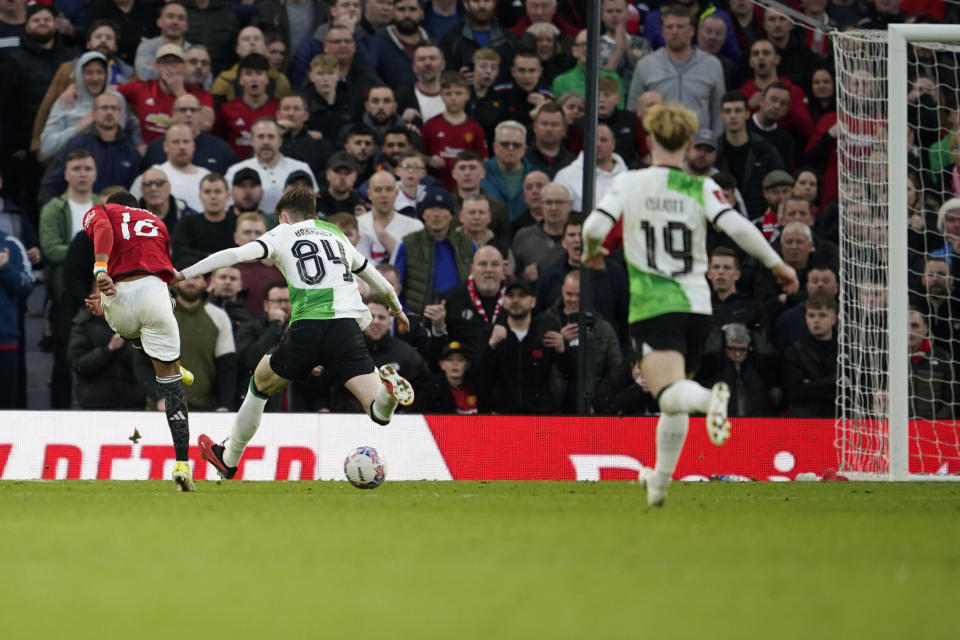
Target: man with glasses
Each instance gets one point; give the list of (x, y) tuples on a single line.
[(199, 66), (538, 246), (508, 166), (212, 153), (158, 200), (115, 154), (411, 172)]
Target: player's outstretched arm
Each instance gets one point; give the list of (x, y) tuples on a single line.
[(386, 291), (749, 238), (595, 229), (224, 258)]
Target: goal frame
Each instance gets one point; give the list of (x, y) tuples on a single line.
[(899, 37)]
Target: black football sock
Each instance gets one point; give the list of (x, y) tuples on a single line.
[(171, 390)]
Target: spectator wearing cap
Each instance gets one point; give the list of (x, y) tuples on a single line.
[(383, 229), (301, 179), (172, 23), (102, 39), (300, 143), (211, 153), (153, 99), (437, 258), (273, 166), (65, 120), (777, 187), (246, 193), (451, 391), (524, 362), (197, 237), (339, 193), (701, 155), (744, 155), (700, 160), (236, 117)]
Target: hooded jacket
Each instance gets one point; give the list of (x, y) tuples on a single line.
[(62, 122), (571, 177)]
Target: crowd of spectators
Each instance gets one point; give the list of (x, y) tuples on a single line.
[(445, 137)]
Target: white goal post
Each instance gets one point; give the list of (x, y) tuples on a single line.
[(877, 434)]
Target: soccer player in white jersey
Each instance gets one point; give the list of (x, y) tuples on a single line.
[(320, 266), (665, 215)]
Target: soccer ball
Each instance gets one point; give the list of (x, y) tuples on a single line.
[(365, 468)]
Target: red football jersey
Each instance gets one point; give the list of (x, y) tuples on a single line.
[(154, 108), (446, 140), (141, 243), (234, 121)]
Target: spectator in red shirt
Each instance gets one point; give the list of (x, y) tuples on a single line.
[(153, 99), (237, 116), (764, 59), (452, 131)]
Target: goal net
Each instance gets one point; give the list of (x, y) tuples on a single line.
[(898, 149)]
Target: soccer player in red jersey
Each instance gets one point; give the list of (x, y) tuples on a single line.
[(453, 131), (132, 267)]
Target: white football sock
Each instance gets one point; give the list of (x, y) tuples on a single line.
[(384, 404), (671, 434), (244, 427), (685, 396)]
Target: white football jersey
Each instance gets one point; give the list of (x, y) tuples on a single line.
[(665, 214), (319, 264)]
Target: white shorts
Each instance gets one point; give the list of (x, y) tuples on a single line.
[(142, 309)]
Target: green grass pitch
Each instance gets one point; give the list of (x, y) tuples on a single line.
[(459, 560)]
